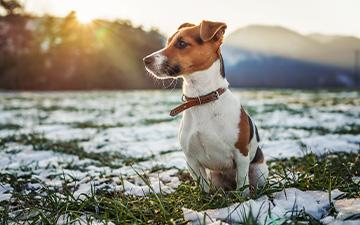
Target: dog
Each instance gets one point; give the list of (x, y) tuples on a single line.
[(217, 135)]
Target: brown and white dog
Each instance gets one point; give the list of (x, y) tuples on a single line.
[(220, 141)]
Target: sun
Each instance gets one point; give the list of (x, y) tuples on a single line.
[(85, 17)]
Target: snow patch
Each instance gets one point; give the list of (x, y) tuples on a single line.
[(284, 204), (5, 192)]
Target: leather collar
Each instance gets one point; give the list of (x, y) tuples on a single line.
[(191, 102)]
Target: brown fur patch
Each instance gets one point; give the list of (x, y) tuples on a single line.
[(244, 133), (172, 37), (186, 25), (259, 156), (197, 55), (180, 27)]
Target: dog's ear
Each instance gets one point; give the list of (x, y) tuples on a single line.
[(212, 30), (186, 25)]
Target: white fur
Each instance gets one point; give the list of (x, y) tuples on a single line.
[(160, 58), (208, 132)]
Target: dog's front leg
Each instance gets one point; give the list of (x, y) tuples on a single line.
[(242, 172), (198, 173)]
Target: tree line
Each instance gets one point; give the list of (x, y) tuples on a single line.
[(52, 53)]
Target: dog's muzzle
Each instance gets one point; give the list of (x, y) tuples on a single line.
[(158, 65)]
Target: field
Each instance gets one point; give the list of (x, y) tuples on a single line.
[(114, 157)]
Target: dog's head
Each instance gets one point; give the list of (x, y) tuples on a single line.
[(191, 48)]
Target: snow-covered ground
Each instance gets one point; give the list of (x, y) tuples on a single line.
[(136, 125), (282, 206)]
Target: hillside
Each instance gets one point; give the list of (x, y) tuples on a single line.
[(253, 69), (279, 41), (50, 53)]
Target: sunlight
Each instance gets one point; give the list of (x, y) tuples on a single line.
[(85, 17)]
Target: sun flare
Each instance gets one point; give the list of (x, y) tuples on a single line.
[(85, 17)]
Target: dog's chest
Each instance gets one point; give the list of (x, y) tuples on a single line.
[(209, 132)]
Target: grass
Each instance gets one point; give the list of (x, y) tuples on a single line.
[(40, 143), (156, 121), (350, 128), (50, 205), (9, 126), (311, 172), (84, 125)]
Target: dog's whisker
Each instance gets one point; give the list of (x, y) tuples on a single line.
[(172, 81), (175, 85)]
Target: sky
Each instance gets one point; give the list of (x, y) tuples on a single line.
[(306, 16)]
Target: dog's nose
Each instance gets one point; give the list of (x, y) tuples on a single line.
[(148, 60)]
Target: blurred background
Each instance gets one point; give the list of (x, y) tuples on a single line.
[(86, 45), (72, 152)]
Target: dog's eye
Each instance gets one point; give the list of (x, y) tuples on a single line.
[(181, 44)]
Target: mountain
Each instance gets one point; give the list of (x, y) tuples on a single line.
[(276, 57), (279, 41), (246, 68)]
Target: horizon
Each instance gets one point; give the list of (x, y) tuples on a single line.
[(296, 16), (108, 53)]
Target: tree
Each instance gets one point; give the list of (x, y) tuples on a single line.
[(12, 7)]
